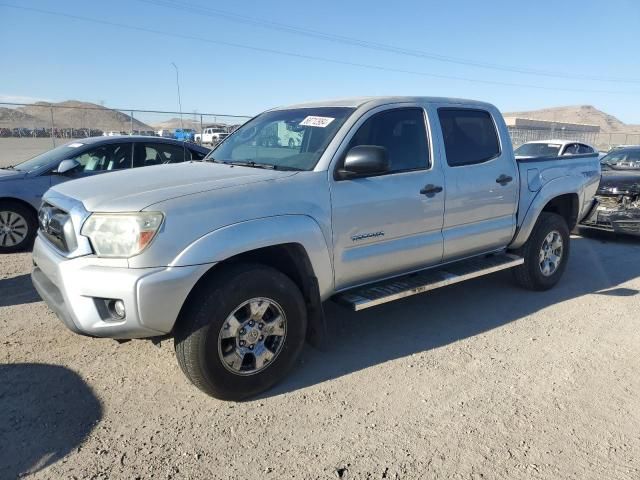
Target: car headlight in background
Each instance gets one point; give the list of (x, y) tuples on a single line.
[(121, 234)]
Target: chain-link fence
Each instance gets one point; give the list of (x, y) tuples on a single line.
[(606, 141), (69, 120), (603, 141), (520, 135)]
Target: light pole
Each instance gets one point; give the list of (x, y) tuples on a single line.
[(179, 100)]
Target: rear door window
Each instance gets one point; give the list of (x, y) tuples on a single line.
[(584, 149), (195, 155), (571, 149), (470, 136), (148, 154)]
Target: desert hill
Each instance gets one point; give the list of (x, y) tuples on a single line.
[(579, 114), (11, 117), (174, 123), (76, 115)]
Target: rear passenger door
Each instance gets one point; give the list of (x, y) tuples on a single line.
[(388, 224), (481, 183)]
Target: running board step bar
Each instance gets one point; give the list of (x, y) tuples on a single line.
[(393, 289)]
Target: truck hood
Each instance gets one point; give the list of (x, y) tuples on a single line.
[(7, 174), (139, 188), (619, 181)]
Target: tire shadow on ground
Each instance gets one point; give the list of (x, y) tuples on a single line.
[(443, 316), (46, 411), (17, 291)]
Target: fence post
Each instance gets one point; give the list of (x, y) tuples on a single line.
[(201, 131), (131, 124), (53, 138)]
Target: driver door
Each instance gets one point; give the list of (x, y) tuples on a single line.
[(386, 225)]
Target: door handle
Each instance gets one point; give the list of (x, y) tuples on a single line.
[(430, 190), (503, 179)]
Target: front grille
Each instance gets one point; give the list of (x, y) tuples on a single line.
[(56, 226)]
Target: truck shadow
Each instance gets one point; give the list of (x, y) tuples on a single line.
[(46, 411), (431, 320), (17, 290)]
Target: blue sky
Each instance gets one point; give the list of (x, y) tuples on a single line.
[(57, 58)]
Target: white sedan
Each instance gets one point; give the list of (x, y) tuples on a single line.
[(553, 148)]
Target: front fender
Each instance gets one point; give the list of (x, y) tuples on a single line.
[(554, 188), (243, 237)]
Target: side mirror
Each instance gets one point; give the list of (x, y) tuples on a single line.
[(67, 166), (364, 160)]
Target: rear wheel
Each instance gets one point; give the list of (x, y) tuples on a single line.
[(241, 331), (18, 227), (545, 253)]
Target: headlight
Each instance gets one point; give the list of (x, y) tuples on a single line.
[(121, 234)]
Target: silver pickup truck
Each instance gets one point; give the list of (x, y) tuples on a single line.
[(234, 256)]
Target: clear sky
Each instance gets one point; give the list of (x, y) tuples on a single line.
[(578, 43)]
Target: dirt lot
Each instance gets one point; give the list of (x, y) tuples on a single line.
[(16, 150), (477, 380)]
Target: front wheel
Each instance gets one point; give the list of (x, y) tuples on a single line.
[(241, 331), (545, 253), (18, 227)]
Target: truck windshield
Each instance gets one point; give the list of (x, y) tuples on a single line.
[(537, 150), (282, 139), (622, 160)]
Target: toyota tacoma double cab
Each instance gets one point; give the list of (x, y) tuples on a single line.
[(234, 256)]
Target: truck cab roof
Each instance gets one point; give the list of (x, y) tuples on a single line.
[(372, 102)]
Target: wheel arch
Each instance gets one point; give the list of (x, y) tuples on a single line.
[(19, 201), (290, 259), (291, 244), (567, 206), (562, 196)]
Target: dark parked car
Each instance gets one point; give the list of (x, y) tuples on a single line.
[(22, 185), (617, 207)]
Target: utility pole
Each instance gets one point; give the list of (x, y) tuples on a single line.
[(179, 100)]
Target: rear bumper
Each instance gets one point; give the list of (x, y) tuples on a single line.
[(76, 290)]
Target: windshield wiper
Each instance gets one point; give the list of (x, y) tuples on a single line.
[(251, 163)]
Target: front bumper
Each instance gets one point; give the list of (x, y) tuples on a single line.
[(76, 289), (619, 220)]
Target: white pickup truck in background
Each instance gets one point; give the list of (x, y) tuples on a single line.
[(211, 135)]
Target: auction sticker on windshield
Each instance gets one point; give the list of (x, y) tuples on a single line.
[(312, 121)]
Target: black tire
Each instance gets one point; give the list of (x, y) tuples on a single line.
[(9, 213), (529, 275), (204, 316)]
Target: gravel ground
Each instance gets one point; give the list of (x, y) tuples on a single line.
[(477, 380)]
